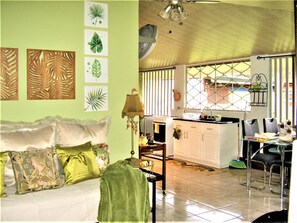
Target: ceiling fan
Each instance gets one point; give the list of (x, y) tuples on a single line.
[(175, 10), (147, 39)]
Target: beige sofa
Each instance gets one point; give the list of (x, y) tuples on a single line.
[(73, 202)]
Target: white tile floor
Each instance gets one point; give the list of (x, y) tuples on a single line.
[(195, 196)]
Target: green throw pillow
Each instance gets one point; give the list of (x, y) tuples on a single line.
[(102, 156), (78, 162), (3, 159), (35, 170)]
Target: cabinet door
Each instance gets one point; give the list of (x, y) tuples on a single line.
[(210, 140), (179, 144), (194, 142)]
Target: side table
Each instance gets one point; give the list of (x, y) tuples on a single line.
[(151, 148)]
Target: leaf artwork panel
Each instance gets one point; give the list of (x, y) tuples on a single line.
[(96, 14), (96, 98), (9, 74), (96, 70), (96, 42), (50, 74)]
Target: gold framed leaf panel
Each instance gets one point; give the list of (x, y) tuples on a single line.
[(9, 74), (50, 74)]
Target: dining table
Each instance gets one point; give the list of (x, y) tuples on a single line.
[(282, 146)]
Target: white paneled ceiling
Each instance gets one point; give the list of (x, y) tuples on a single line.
[(215, 32)]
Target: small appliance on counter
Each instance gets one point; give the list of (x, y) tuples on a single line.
[(191, 116), (160, 129)]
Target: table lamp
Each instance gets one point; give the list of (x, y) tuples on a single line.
[(133, 107)]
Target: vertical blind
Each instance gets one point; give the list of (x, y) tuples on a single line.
[(283, 88), (157, 96)]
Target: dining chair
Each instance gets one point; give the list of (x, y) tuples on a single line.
[(270, 125), (249, 128), (278, 163)]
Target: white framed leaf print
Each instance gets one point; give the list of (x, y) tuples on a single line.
[(96, 70), (96, 42), (96, 14), (96, 98)]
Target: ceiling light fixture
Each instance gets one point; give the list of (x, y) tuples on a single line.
[(175, 11), (164, 14)]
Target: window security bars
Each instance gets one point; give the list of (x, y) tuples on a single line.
[(223, 86), (157, 96)]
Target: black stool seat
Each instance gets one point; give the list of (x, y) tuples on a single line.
[(274, 216), (287, 163), (267, 159)]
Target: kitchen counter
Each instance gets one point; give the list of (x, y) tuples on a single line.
[(224, 120)]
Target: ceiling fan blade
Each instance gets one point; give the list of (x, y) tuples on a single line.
[(145, 39)]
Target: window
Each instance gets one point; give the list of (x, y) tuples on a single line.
[(157, 96), (221, 86), (283, 95)]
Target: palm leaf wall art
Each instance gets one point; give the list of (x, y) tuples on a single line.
[(96, 14), (9, 74), (95, 98), (51, 74)]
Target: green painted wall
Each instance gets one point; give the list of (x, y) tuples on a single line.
[(59, 25)]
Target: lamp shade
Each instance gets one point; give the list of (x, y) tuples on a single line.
[(133, 107)]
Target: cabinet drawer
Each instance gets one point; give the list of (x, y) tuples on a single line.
[(194, 126), (187, 125), (178, 123), (211, 128)]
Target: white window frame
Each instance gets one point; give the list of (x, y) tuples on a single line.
[(229, 78)]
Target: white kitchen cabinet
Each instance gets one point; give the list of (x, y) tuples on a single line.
[(194, 142), (209, 144), (189, 144), (181, 143)]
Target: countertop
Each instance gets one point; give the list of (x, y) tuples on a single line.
[(224, 120)]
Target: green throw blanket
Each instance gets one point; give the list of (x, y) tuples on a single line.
[(124, 194)]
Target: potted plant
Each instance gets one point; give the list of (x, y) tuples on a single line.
[(217, 117)]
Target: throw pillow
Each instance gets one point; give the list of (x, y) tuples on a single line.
[(102, 156), (24, 139), (9, 126), (78, 162), (3, 158), (35, 170), (72, 133)]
